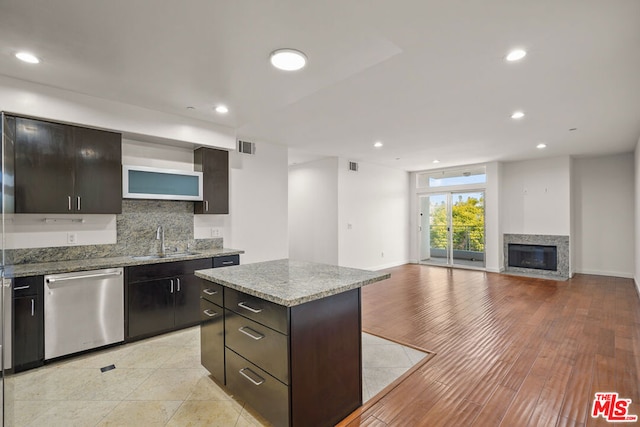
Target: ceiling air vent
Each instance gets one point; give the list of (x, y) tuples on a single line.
[(246, 147), (353, 166)]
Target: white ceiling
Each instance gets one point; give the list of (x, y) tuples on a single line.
[(427, 78)]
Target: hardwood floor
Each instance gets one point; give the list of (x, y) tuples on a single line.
[(510, 350)]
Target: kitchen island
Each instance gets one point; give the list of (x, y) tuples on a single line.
[(285, 336)]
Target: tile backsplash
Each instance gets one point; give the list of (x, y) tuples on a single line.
[(136, 234)]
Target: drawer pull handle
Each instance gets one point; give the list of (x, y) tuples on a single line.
[(210, 313), (209, 291), (251, 309), (256, 382), (227, 262), (19, 288), (253, 334)]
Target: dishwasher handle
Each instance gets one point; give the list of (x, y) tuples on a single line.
[(85, 276)]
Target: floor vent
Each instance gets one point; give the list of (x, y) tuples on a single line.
[(353, 166), (246, 147)]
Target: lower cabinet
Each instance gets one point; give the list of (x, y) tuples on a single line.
[(296, 366), (212, 339), (28, 323), (163, 297)]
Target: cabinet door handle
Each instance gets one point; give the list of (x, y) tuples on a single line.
[(171, 285), (227, 262), (210, 313), (33, 307), (19, 288), (253, 334), (178, 280), (206, 206), (78, 202), (251, 309), (209, 291), (256, 382), (69, 198)]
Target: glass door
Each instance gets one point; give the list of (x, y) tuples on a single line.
[(435, 241), (452, 229), (467, 229)]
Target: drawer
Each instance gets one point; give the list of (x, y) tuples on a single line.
[(264, 312), (27, 286), (226, 261), (141, 273), (261, 391), (212, 339), (262, 346), (211, 292)]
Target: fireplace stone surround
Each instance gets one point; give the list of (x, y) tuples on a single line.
[(562, 272)]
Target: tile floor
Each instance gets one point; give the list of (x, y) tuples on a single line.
[(158, 382)]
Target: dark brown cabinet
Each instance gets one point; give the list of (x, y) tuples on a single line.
[(213, 322), (297, 366), (212, 338), (66, 169), (98, 171), (28, 323), (188, 299), (163, 297), (214, 165)]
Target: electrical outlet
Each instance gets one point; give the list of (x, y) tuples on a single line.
[(72, 238), (216, 232)]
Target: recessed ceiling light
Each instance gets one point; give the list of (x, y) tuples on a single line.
[(378, 144), (191, 107), (288, 59), (436, 161), (541, 145), (517, 115), (28, 57), (222, 109), (516, 55)]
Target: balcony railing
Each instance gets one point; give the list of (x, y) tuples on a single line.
[(465, 237)]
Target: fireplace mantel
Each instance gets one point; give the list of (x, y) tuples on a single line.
[(561, 242)]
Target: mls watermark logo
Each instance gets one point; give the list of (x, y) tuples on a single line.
[(612, 408)]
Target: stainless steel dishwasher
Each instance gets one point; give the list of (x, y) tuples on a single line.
[(82, 311)]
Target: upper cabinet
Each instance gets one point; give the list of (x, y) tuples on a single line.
[(214, 165), (66, 169)]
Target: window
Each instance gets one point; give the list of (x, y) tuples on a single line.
[(452, 177)]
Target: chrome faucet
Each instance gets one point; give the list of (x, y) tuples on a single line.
[(160, 236)]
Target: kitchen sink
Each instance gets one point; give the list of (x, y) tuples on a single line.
[(169, 255)]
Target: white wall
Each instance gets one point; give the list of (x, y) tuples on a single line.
[(258, 216), (21, 97), (637, 216), (603, 203), (353, 219), (536, 197), (493, 224), (313, 211), (375, 202)]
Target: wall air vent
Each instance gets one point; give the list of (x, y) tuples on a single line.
[(246, 147), (353, 166)]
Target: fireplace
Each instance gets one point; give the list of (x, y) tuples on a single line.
[(539, 257)]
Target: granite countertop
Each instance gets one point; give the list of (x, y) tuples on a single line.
[(288, 282), (36, 269)]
